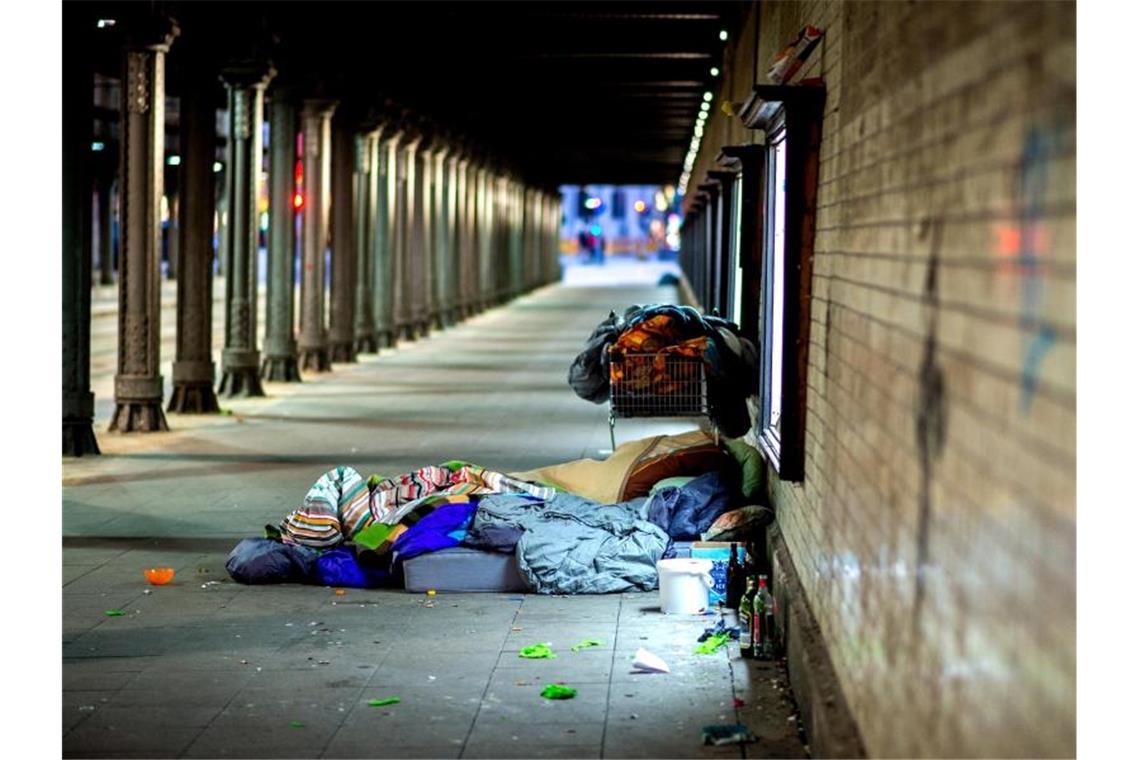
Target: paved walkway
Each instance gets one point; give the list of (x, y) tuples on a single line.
[(208, 668)]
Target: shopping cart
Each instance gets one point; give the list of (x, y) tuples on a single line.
[(656, 385)]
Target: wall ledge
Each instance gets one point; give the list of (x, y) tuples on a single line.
[(827, 718)]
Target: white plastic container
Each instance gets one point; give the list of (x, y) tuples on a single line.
[(683, 585)]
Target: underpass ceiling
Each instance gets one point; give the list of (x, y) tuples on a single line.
[(566, 92)]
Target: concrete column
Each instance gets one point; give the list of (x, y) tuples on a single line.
[(462, 233), (439, 237), (417, 270), (105, 190), (483, 236), (138, 384), (78, 116), (316, 116), (401, 280), (366, 181), (241, 361), (452, 230), (280, 362), (343, 235), (193, 364), (383, 241)]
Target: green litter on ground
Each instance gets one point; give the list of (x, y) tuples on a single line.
[(296, 724), (537, 652), (382, 702), (558, 691), (712, 643), (586, 644), (114, 613)]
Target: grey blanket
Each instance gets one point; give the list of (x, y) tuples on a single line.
[(571, 545)]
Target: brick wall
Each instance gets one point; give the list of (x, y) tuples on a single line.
[(945, 248)]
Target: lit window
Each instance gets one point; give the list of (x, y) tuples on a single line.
[(773, 364)]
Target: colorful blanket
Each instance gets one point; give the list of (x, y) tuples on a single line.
[(341, 506)]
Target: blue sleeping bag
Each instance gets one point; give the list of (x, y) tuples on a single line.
[(685, 512), (341, 567)]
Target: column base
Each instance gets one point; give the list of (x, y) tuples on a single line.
[(342, 352), (280, 369), (407, 332), (138, 416), (240, 382), (314, 359), (385, 339), (365, 343), (79, 438), (193, 398)]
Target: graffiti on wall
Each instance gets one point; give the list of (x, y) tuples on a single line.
[(1022, 247), (930, 419)]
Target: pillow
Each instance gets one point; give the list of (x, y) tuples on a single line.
[(693, 453), (634, 467), (674, 482), (738, 524), (753, 471)]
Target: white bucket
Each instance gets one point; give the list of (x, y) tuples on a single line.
[(683, 585)]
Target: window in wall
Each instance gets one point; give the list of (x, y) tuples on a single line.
[(738, 208), (772, 307), (774, 347), (791, 117)]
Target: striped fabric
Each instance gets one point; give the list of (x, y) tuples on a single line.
[(340, 504)]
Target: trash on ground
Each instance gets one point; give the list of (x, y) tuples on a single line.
[(738, 702), (159, 576), (537, 652), (720, 627), (586, 644), (384, 701), (732, 733), (340, 592), (712, 644), (114, 613), (296, 724), (645, 660), (558, 691), (516, 628), (431, 592)]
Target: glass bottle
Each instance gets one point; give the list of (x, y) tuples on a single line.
[(744, 615)]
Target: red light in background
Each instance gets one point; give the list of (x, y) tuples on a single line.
[(298, 200)]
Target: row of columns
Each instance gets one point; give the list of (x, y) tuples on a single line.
[(421, 231)]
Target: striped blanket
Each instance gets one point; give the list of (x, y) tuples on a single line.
[(342, 506)]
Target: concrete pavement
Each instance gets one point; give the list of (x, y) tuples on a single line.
[(208, 668)]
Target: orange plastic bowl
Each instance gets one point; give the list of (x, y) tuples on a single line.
[(159, 576)]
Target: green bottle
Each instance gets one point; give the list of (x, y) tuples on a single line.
[(744, 616), (762, 622)]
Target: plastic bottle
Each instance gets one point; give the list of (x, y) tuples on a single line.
[(744, 615)]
